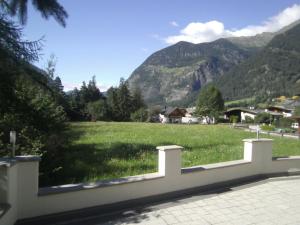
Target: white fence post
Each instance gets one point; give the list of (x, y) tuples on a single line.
[(169, 160), (28, 183), (259, 152)]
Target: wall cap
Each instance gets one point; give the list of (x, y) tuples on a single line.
[(9, 162), (258, 140), (28, 158), (98, 184), (169, 147), (213, 166)]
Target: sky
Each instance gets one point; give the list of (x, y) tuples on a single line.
[(111, 38)]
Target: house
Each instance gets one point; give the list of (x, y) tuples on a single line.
[(190, 116), (243, 113), (172, 115), (285, 112)]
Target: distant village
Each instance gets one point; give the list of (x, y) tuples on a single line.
[(283, 108)]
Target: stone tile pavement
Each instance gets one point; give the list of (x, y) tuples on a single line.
[(273, 201), (270, 201)]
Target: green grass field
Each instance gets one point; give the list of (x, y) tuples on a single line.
[(105, 150), (246, 100)]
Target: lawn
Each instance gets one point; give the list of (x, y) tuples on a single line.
[(104, 150)]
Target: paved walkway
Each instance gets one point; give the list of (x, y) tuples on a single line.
[(270, 201), (273, 201)]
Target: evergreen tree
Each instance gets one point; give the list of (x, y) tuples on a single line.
[(210, 102), (137, 100), (93, 91), (124, 100), (47, 8), (113, 104)]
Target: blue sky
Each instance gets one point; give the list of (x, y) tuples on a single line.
[(109, 39)]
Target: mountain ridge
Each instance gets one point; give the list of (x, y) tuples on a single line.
[(175, 74)]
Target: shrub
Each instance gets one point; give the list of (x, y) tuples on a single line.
[(233, 119), (141, 115), (248, 119), (263, 118), (267, 127)]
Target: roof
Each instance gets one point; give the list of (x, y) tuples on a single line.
[(170, 110), (282, 108), (244, 110)]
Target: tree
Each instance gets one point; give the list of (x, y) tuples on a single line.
[(137, 100), (263, 118), (113, 103), (47, 8), (140, 115), (210, 102), (93, 91), (124, 100), (98, 110)]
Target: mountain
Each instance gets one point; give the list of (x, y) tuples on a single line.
[(272, 72), (177, 72), (253, 42), (174, 75)]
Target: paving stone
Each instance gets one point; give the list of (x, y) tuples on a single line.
[(274, 201)]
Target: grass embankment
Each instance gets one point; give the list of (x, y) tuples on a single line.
[(108, 150)]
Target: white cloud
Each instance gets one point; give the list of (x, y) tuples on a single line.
[(71, 86), (197, 32), (174, 24)]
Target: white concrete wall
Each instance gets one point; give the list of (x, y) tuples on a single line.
[(189, 120), (163, 118), (244, 114), (26, 202)]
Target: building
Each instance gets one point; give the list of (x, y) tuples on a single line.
[(285, 112), (243, 113), (172, 115)]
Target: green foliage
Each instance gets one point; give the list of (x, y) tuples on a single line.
[(47, 8), (248, 119), (124, 101), (297, 111), (27, 100), (35, 116), (267, 127), (89, 104), (233, 119), (141, 115), (210, 102), (263, 118), (284, 122), (98, 110)]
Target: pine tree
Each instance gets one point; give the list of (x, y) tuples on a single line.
[(137, 100), (124, 100), (210, 102)]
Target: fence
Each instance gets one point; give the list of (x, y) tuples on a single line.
[(20, 196)]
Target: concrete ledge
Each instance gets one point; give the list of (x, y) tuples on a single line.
[(9, 162), (214, 166), (258, 140), (100, 184), (285, 158), (169, 147), (110, 209), (28, 158)]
